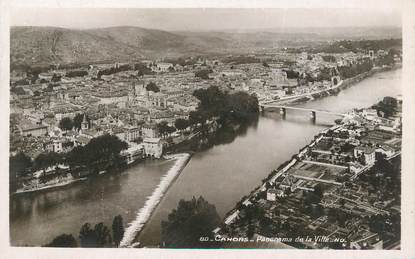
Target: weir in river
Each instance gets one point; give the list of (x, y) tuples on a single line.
[(145, 212)]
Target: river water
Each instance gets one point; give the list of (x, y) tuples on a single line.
[(221, 174)]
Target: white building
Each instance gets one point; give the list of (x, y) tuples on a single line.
[(162, 67), (153, 147), (386, 150), (149, 130), (132, 133), (271, 195), (368, 154)]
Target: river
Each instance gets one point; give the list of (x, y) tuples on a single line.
[(221, 174)]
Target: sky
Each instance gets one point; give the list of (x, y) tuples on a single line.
[(205, 19)]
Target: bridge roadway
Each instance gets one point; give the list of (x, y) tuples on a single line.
[(267, 105)]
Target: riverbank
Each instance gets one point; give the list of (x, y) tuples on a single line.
[(212, 173), (50, 186), (344, 84), (335, 174), (283, 168), (152, 201), (351, 81)]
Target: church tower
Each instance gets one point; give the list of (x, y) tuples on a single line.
[(84, 123)]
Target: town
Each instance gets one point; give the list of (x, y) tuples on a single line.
[(148, 104), (341, 191)]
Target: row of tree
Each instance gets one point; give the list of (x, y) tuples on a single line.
[(343, 46), (387, 107), (355, 69), (67, 123), (237, 107), (98, 236), (152, 87), (99, 154), (113, 70), (241, 60), (188, 223)]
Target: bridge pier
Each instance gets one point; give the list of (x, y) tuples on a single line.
[(313, 116)]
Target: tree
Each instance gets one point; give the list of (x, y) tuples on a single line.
[(18, 90), (254, 213), (65, 123), (55, 78), (19, 164), (241, 106), (87, 236), (100, 153), (63, 240), (100, 236), (314, 197), (49, 88), (266, 226), (18, 167), (291, 74), (163, 127), (265, 64), (387, 106), (170, 130), (181, 124), (76, 73), (117, 229), (251, 231), (77, 120), (45, 160), (152, 87), (329, 58), (103, 235), (203, 73), (190, 221), (237, 107), (196, 117)]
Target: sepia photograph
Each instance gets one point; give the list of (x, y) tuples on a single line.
[(205, 128)]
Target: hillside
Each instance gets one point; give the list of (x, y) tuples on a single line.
[(46, 45)]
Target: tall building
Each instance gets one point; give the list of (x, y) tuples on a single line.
[(84, 123)]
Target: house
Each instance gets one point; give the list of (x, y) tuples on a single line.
[(385, 150), (355, 168), (132, 133), (158, 100), (45, 76), (271, 194), (59, 145), (149, 130), (367, 240), (119, 132), (370, 114), (133, 153), (162, 67), (368, 154), (81, 140), (153, 147), (27, 128)]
